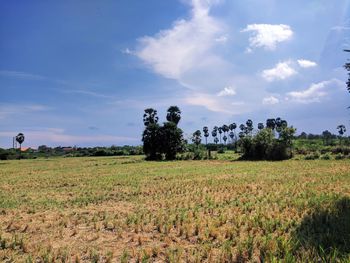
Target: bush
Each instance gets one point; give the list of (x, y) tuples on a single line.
[(3, 154), (312, 156), (302, 151), (326, 156), (199, 155), (221, 150), (339, 156), (341, 149), (263, 146)]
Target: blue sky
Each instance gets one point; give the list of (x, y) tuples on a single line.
[(81, 72)]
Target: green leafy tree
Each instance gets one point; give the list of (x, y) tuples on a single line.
[(164, 140), (171, 140), (327, 137), (151, 141), (264, 146)]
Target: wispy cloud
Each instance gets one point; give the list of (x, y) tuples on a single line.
[(315, 92), (281, 71), (87, 93), (209, 102), (227, 91), (21, 75), (9, 110), (267, 36)]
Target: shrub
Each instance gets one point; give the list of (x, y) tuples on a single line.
[(326, 156), (341, 149), (263, 146), (312, 156), (199, 155), (339, 156), (221, 150)]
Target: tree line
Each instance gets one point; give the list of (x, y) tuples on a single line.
[(272, 140)]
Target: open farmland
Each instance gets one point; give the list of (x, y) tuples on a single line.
[(125, 209)]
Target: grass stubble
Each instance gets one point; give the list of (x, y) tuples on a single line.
[(128, 210)]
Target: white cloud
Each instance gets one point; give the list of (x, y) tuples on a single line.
[(281, 71), (186, 45), (267, 35), (270, 100), (227, 91), (314, 93), (304, 63)]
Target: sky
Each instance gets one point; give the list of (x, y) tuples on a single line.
[(82, 72)]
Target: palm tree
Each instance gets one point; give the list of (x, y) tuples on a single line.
[(249, 124), (234, 126), (173, 114), (220, 132), (284, 124), (232, 135), (341, 130), (271, 124), (243, 129), (20, 140), (216, 140), (214, 133), (225, 138), (225, 129), (206, 133), (150, 117), (347, 67), (197, 137)]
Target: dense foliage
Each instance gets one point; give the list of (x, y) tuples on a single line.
[(44, 151), (162, 141), (264, 145)]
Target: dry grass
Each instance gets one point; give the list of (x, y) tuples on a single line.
[(128, 210)]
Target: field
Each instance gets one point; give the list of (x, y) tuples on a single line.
[(123, 209)]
